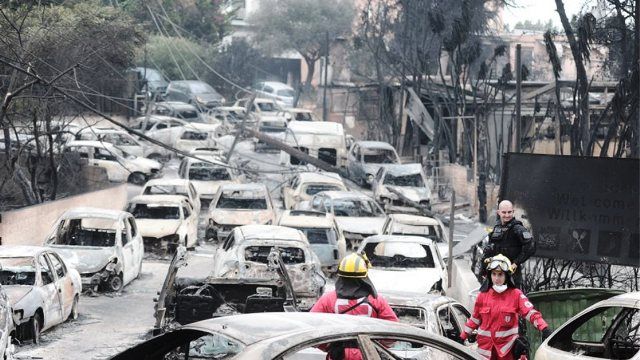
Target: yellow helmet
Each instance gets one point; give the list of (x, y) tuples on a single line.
[(499, 262), (354, 266)]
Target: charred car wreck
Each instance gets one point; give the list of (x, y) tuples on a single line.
[(246, 275)]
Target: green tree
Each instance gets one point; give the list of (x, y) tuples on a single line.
[(176, 58), (301, 25)]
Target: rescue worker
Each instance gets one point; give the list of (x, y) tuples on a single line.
[(354, 295), (495, 314), (510, 238)]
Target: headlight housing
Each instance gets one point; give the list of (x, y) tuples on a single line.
[(369, 178), (111, 265)]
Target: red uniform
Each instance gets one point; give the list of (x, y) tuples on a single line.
[(495, 315), (373, 307)]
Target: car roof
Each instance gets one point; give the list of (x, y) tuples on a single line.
[(630, 298), (156, 118), (209, 157), (94, 143), (270, 232), (177, 105), (403, 169), (304, 218), (277, 84), (81, 212), (160, 199), (300, 110), (323, 177), (398, 238), (21, 250), (375, 145), (413, 219), (106, 130), (165, 181), (345, 195), (243, 187), (256, 327), (316, 127)]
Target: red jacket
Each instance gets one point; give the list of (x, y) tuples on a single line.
[(495, 315), (373, 307)]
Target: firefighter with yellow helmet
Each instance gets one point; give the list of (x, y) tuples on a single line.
[(354, 295)]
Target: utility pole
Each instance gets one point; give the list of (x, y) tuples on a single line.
[(451, 225), (325, 111), (518, 145)]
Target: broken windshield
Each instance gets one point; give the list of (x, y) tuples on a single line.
[(356, 208), (313, 189), (207, 173), (380, 157), (319, 235), (87, 231), (148, 211), (17, 271), (399, 255), (413, 180), (289, 255), (229, 201)]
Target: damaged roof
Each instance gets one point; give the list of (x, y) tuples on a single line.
[(312, 219), (403, 169), (158, 199), (315, 127), (399, 239), (260, 188), (375, 145), (324, 177), (413, 219), (85, 212), (271, 232)]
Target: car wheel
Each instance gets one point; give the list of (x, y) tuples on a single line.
[(35, 326), (137, 178), (73, 315), (116, 283)]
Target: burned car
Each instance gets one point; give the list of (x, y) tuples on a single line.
[(407, 264), (402, 189), (322, 231), (357, 214), (258, 268), (239, 204), (429, 227), (105, 246), (207, 173), (437, 314), (291, 336), (366, 157), (304, 185), (42, 289), (182, 187), (165, 221)]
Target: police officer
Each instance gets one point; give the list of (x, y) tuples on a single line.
[(510, 238)]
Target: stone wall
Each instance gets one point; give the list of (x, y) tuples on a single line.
[(30, 225)]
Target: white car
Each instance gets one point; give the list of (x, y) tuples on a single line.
[(174, 187), (239, 204), (260, 107), (323, 140), (105, 246), (357, 214), (274, 126), (232, 116), (244, 256), (42, 289), (366, 157), (402, 188), (165, 221), (304, 185), (118, 165), (432, 228), (162, 128), (125, 142), (406, 264), (322, 231), (207, 173), (299, 114), (200, 136), (281, 93), (609, 329)]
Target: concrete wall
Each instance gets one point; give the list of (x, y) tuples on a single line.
[(457, 175), (30, 225)]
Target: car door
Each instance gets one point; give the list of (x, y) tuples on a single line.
[(376, 184), (126, 252), (352, 159), (111, 163), (287, 193), (64, 284), (192, 224), (136, 244), (195, 198), (51, 302)]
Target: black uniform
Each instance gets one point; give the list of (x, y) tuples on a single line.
[(514, 241)]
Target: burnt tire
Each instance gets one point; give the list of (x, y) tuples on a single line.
[(73, 315), (137, 178), (115, 284), (35, 328)]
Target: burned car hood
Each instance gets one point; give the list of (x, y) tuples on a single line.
[(361, 225), (15, 293), (157, 227), (406, 280), (241, 217), (416, 194), (85, 259)]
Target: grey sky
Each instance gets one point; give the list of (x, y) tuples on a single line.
[(543, 10)]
